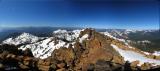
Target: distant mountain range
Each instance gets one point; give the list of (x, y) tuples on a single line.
[(136, 36), (78, 49), (38, 31)]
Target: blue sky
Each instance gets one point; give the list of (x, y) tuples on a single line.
[(124, 14)]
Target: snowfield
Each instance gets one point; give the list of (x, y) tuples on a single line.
[(44, 49), (68, 35), (22, 39), (134, 56)]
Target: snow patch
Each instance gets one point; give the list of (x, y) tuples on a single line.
[(156, 53), (60, 31), (77, 33), (108, 34), (133, 56), (83, 38), (144, 41), (147, 53)]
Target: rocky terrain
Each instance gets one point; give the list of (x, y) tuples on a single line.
[(78, 50)]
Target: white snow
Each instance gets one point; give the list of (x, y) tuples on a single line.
[(23, 38), (144, 41), (156, 53), (60, 31), (76, 32), (127, 31), (133, 56), (147, 53), (121, 40), (83, 38), (108, 34), (68, 35), (43, 49)]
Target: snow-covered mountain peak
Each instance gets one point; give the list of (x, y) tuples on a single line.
[(44, 48), (21, 39), (60, 31), (25, 34), (67, 35)]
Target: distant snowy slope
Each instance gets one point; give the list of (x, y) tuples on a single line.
[(67, 35), (44, 48), (60, 31), (22, 39)]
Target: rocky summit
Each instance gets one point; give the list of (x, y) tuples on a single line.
[(78, 50)]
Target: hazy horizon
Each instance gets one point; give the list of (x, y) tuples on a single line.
[(2, 28)]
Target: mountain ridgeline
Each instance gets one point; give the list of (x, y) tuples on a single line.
[(76, 50)]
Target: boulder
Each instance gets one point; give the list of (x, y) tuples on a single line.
[(4, 54), (118, 59), (24, 67), (65, 55), (134, 64), (157, 57), (43, 68), (28, 52), (27, 60), (102, 65), (146, 66), (62, 69), (61, 65), (1, 66)]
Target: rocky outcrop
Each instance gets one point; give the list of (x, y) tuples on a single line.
[(146, 66), (134, 65), (16, 59), (44, 64), (85, 55)]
